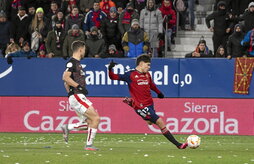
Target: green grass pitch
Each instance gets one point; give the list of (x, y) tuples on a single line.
[(27, 148)]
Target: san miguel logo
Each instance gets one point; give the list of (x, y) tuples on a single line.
[(202, 119)]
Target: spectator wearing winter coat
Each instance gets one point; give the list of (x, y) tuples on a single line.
[(42, 52), (12, 8), (152, 22), (53, 10), (112, 52), (95, 43), (248, 43), (181, 7), (237, 6), (25, 52), (59, 17), (74, 18), (31, 12), (169, 16), (201, 51), (74, 34), (55, 40), (221, 52), (234, 47), (126, 17), (39, 29), (228, 4), (109, 29), (105, 5), (93, 18), (248, 18), (135, 41), (5, 32), (20, 25), (222, 25), (244, 4)]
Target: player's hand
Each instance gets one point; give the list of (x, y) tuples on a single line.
[(111, 65), (9, 60), (82, 90), (128, 101), (161, 95)]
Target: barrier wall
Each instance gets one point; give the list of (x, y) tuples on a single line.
[(32, 97), (182, 116), (208, 78)]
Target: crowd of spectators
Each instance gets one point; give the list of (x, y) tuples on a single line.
[(118, 28), (110, 28), (233, 30)]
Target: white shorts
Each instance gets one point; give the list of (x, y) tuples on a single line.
[(79, 103)]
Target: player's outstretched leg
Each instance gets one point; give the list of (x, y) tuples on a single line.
[(172, 139), (68, 127), (65, 132), (82, 126), (169, 136), (93, 120), (183, 146)]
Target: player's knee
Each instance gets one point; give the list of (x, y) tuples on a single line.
[(96, 119)]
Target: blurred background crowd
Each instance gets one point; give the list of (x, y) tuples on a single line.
[(121, 28)]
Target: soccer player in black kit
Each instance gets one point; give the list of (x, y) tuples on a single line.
[(140, 85), (75, 85)]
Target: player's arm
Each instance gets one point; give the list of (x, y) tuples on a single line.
[(68, 80), (155, 89), (113, 76), (67, 87)]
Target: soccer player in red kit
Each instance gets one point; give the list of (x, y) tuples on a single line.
[(140, 86)]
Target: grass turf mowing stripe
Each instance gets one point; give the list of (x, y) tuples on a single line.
[(41, 148)]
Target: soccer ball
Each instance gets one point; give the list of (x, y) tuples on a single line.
[(193, 141)]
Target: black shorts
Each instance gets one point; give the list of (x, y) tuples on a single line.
[(148, 114)]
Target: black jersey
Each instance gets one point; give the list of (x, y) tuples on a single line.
[(77, 74)]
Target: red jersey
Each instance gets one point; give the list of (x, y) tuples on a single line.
[(140, 86)]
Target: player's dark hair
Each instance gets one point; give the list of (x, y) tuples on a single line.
[(78, 44), (145, 58)]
